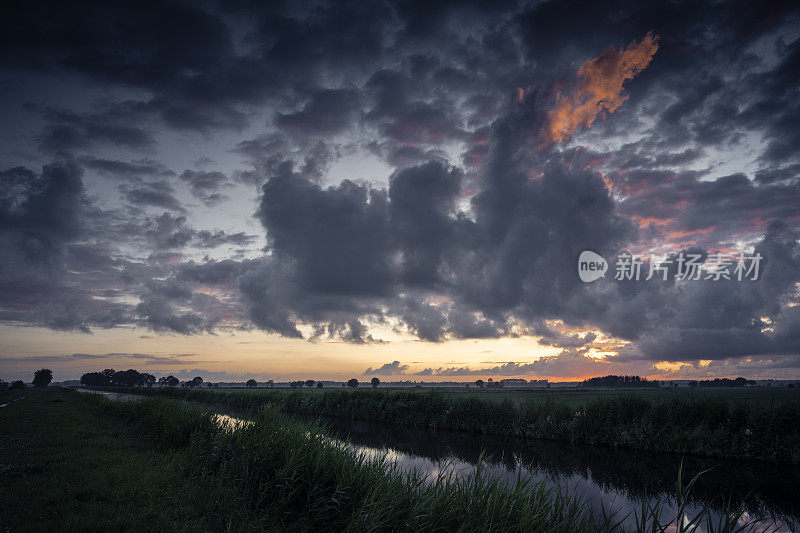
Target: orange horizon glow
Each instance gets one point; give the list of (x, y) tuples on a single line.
[(242, 355)]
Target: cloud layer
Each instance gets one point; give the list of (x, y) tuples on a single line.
[(433, 172)]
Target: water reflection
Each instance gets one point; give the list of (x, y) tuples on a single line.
[(614, 479), (618, 479)]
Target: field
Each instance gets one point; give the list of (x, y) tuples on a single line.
[(74, 462), (66, 465), (574, 395), (719, 423)]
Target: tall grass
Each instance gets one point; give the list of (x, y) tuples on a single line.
[(292, 472), (706, 426)]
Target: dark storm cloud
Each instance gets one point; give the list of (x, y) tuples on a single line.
[(514, 256), (48, 276), (338, 237), (355, 243), (136, 46), (126, 170), (214, 272), (205, 185), (170, 232), (406, 156), (209, 239), (172, 305), (275, 154), (344, 249), (110, 125), (159, 314), (41, 212), (679, 326), (327, 111), (167, 231), (689, 206), (171, 289), (204, 76), (442, 252), (422, 200), (152, 194), (568, 340)]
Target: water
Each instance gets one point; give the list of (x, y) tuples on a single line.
[(618, 480)]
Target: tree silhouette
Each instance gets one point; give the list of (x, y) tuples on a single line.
[(310, 383), (319, 384), (171, 381), (352, 383), (619, 381), (94, 379), (479, 383), (43, 377), (195, 382), (127, 378), (251, 384), (375, 382), (18, 384)]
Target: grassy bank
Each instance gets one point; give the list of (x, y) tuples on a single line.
[(709, 425), (67, 464)]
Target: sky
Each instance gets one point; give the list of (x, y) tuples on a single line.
[(329, 190)]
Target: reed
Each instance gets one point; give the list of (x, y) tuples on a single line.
[(713, 426), (291, 471)]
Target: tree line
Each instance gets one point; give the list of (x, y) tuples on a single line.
[(722, 382), (619, 381), (134, 378)]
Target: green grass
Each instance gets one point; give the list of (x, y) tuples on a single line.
[(708, 424), (78, 462), (576, 396), (67, 465), (570, 395)]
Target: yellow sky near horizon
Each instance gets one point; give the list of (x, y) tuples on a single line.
[(24, 349)]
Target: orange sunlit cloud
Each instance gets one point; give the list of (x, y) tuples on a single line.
[(598, 88)]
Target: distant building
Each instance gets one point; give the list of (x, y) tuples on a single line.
[(514, 381)]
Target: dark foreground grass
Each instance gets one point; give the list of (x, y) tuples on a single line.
[(86, 463), (709, 425), (68, 465)]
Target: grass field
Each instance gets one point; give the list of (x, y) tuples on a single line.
[(574, 395), (67, 465), (580, 395), (73, 462), (709, 423)]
